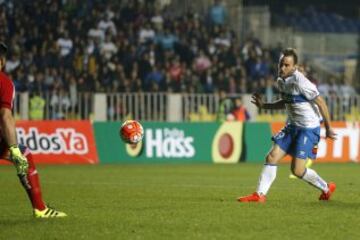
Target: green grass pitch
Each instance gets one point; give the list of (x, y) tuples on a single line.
[(180, 202)]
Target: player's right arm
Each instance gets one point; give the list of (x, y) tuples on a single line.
[(320, 102), (8, 129), (7, 124), (256, 99)]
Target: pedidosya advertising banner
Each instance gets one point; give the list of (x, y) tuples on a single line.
[(58, 142), (172, 142)]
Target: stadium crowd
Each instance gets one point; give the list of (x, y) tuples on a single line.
[(131, 46)]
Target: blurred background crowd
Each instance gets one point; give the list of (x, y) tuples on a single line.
[(134, 46), (69, 47)]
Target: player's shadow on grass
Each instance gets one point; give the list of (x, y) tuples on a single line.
[(335, 204), (18, 221)]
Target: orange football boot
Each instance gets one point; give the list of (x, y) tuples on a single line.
[(255, 197), (326, 195)]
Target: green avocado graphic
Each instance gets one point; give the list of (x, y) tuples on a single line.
[(134, 150), (227, 143)]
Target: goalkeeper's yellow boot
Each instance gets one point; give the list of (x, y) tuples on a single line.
[(49, 213)]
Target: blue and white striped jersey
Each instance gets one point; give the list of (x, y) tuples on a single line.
[(299, 93)]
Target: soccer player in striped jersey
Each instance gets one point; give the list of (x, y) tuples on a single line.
[(305, 109)]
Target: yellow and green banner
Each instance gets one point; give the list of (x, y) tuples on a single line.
[(257, 141), (172, 143)]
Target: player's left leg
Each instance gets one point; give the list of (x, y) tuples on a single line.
[(33, 189), (267, 176), (310, 176), (305, 146), (32, 186)]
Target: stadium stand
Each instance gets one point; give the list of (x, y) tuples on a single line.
[(316, 21), (67, 48)]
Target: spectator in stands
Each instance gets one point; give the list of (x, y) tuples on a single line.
[(108, 48), (155, 76), (64, 44), (251, 49), (333, 87), (36, 106), (207, 81), (324, 87), (60, 104), (225, 106), (223, 39), (166, 40), (146, 34), (90, 44), (36, 82), (19, 80), (269, 88), (194, 85), (217, 13), (73, 93), (258, 69), (157, 19), (144, 66), (346, 91), (242, 86), (202, 62), (176, 70), (239, 112), (232, 85), (13, 63), (106, 24)]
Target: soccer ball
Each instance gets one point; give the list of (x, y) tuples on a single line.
[(131, 131)]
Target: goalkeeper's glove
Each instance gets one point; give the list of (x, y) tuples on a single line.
[(20, 162)]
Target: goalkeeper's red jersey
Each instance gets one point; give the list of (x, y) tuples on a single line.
[(7, 91)]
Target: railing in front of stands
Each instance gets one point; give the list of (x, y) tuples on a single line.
[(156, 107)]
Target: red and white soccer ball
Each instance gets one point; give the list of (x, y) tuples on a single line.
[(131, 131)]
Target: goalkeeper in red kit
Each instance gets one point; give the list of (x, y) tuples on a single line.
[(16, 153)]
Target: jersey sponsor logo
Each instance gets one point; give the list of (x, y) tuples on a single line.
[(63, 140)]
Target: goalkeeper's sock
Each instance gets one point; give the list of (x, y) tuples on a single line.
[(314, 179), (267, 177), (34, 190)]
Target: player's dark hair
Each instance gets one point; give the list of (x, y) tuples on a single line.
[(290, 52)]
